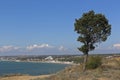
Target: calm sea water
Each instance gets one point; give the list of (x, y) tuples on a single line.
[(7, 67)]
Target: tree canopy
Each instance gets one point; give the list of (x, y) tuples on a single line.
[(93, 28)]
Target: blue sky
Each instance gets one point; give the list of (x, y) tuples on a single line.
[(29, 27)]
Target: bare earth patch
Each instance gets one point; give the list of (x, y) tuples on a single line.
[(26, 77)]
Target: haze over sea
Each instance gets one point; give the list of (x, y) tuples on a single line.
[(7, 67)]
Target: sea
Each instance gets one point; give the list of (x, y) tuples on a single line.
[(30, 68)]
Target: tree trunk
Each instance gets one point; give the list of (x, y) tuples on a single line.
[(85, 61)]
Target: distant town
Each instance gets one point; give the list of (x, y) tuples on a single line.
[(63, 59), (45, 58)]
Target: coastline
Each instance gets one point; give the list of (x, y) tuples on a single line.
[(55, 62), (31, 77), (5, 76)]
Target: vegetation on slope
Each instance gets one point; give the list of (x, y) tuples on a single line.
[(108, 70)]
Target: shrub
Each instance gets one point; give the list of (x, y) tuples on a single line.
[(78, 60), (94, 62)]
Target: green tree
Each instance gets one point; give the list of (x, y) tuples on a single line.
[(93, 28)]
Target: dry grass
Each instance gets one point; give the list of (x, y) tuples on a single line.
[(110, 70)]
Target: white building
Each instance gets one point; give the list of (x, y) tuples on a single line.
[(49, 58)]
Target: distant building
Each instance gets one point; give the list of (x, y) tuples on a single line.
[(49, 58)]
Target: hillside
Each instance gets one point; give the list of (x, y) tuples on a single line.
[(109, 70)]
